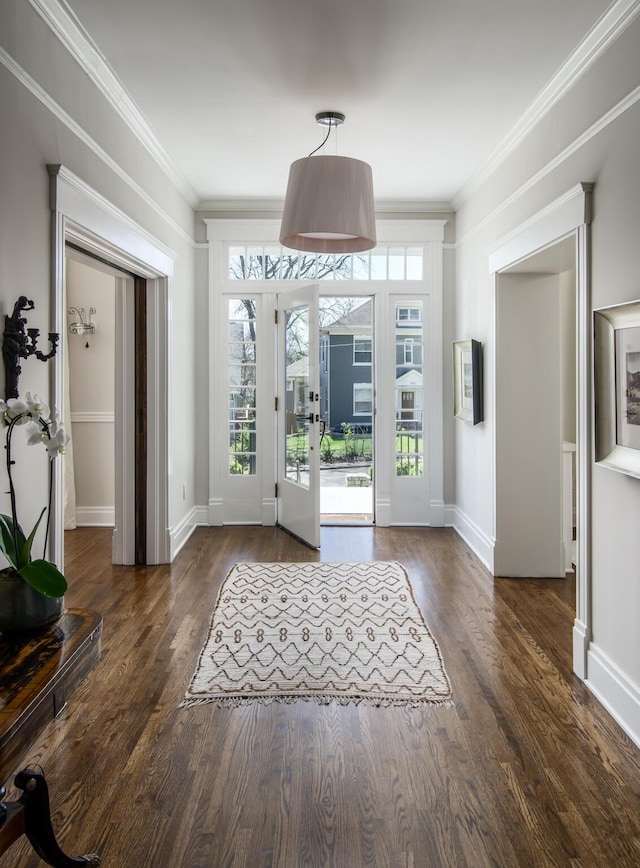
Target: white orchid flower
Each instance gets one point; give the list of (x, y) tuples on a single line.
[(35, 406), (57, 444), (12, 408), (35, 433)]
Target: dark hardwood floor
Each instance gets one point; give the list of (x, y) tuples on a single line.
[(526, 770)]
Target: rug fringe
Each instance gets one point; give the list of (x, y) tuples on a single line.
[(320, 699)]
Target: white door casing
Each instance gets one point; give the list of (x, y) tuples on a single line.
[(82, 215), (250, 500), (567, 217)]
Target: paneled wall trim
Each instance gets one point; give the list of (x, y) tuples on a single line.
[(93, 417)]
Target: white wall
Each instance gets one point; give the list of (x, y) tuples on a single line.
[(592, 134), (53, 113), (528, 427), (91, 387)]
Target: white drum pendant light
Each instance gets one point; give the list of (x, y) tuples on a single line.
[(329, 205)]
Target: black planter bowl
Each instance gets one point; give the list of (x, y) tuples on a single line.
[(23, 609)]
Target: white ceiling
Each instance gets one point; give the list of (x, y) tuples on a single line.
[(230, 88)]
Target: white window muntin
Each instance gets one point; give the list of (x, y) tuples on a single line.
[(271, 262), (242, 385)]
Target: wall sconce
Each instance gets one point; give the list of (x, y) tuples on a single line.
[(19, 342), (82, 324)]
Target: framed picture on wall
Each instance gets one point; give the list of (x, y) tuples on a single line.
[(467, 381), (616, 356)]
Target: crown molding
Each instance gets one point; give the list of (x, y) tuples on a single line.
[(604, 32), (274, 207), (67, 28), (595, 129), (264, 230), (57, 111)]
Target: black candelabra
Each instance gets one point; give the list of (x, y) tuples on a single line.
[(20, 342)]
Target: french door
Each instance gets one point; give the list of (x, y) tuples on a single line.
[(298, 493)]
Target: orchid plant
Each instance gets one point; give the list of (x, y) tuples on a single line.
[(41, 426)]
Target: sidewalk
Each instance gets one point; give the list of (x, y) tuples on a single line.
[(336, 498)]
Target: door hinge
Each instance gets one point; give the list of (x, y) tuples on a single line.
[(276, 490), (276, 403)]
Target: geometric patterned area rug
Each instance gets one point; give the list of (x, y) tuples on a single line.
[(322, 632)]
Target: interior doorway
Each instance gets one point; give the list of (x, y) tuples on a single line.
[(84, 218), (105, 402), (347, 411), (536, 414), (562, 228)]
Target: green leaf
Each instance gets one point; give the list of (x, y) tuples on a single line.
[(25, 551), (7, 541), (44, 577)]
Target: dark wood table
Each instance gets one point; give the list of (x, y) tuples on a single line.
[(37, 675)]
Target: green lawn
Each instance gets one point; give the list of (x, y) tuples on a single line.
[(348, 447)]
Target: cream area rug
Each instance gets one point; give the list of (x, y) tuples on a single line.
[(343, 632)]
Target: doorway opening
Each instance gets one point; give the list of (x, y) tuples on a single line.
[(106, 402), (536, 385), (346, 409)]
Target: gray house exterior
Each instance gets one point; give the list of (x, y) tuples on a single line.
[(346, 366), (346, 359)]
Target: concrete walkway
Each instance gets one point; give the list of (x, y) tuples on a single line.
[(337, 498)]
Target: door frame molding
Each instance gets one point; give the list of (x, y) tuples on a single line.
[(568, 216), (82, 215)]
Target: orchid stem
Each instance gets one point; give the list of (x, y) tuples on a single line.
[(12, 491), (45, 427)]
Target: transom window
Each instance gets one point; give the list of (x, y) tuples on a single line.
[(278, 263)]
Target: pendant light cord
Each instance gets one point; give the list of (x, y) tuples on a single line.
[(323, 143)]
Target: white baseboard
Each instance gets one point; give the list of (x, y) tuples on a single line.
[(615, 690), (477, 540), (95, 516), (196, 517)]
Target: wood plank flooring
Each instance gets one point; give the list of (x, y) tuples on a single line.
[(526, 770)]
